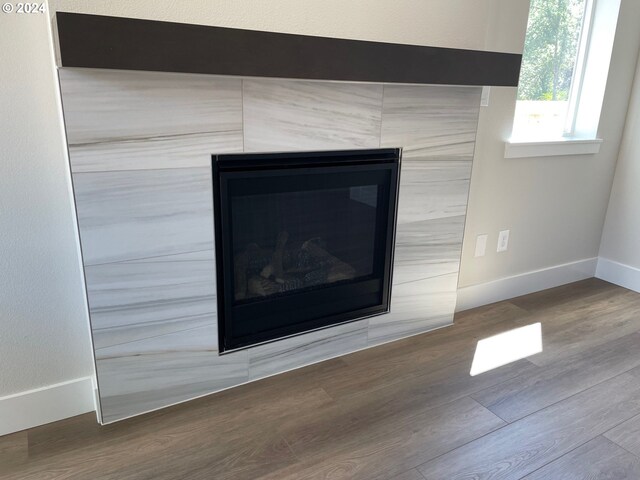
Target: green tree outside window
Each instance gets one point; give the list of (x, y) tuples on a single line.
[(550, 49)]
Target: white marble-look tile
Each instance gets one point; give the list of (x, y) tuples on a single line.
[(416, 307), (201, 338), (129, 215), (153, 153), (161, 376), (203, 255), (431, 121), (281, 115), (427, 99), (140, 145), (428, 249), (433, 189), (119, 120), (312, 347), (105, 105), (131, 301)]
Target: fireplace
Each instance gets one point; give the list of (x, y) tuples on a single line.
[(304, 241)]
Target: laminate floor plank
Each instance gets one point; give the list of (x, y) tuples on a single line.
[(534, 390), (597, 459), (522, 447), (166, 457), (583, 324), (387, 412), (412, 474), (390, 447), (220, 458), (14, 449), (203, 427), (627, 435), (555, 297), (444, 348)]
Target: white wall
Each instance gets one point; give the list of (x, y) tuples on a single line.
[(621, 235), (44, 334), (446, 23), (554, 206)]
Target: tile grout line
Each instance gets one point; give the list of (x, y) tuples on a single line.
[(425, 278), (128, 170), (173, 332), (138, 259), (120, 140)]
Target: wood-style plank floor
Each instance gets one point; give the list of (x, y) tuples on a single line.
[(408, 410)]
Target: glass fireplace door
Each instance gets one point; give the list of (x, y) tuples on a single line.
[(303, 241)]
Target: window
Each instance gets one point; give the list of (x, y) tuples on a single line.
[(552, 66), (565, 66)]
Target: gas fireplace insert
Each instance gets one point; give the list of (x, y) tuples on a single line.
[(304, 240)]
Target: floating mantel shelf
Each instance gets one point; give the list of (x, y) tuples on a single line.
[(93, 41)]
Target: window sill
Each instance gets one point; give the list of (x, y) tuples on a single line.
[(552, 148)]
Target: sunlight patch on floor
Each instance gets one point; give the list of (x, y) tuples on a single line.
[(507, 347)]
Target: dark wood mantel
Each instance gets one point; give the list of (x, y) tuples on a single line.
[(94, 41)]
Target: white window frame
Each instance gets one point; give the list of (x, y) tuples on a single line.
[(595, 47), (575, 90)]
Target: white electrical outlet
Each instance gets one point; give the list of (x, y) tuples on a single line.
[(503, 241), (481, 245)]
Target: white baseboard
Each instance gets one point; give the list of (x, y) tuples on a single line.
[(524, 283), (44, 405), (624, 275)]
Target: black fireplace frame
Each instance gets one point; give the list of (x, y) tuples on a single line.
[(234, 166)]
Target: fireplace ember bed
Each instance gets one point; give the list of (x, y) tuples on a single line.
[(304, 241)]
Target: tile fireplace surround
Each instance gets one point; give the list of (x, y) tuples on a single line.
[(140, 146)]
